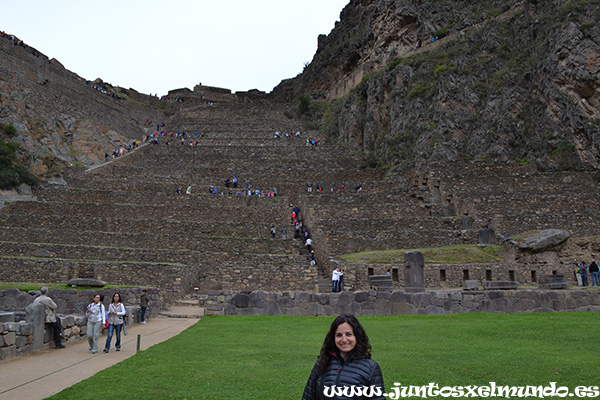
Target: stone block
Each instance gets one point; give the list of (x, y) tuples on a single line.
[(258, 303), (8, 352), (7, 317), (324, 299), (471, 284), (360, 297), (272, 308), (414, 274), (67, 321), (367, 305), (495, 294), (399, 297), (383, 308), (421, 300), (384, 295), (403, 308), (334, 299), (26, 328), (10, 338), (20, 341), (258, 295), (12, 326), (241, 300), (229, 310), (304, 297), (435, 310), (500, 285), (249, 311), (25, 349), (286, 302), (554, 282), (75, 330), (345, 298), (296, 312), (23, 300), (1, 340)]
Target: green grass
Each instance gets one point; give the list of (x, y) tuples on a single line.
[(461, 254), (271, 357), (27, 286)]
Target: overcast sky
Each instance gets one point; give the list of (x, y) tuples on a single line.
[(154, 46)]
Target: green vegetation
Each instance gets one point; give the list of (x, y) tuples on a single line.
[(522, 236), (303, 104), (9, 129), (440, 33), (12, 172), (28, 286), (461, 254), (271, 357)]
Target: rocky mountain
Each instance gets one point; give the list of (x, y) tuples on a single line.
[(59, 117), (505, 81)]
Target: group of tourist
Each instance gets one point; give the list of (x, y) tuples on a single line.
[(301, 232), (287, 135), (320, 189), (104, 91), (98, 318), (162, 133), (232, 187), (582, 273), (123, 149)]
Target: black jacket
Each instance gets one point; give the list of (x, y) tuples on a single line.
[(357, 372)]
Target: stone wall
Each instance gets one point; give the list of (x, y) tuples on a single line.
[(380, 303), (453, 275), (22, 327), (75, 301)]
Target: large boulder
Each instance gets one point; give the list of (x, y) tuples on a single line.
[(545, 240), (86, 282)]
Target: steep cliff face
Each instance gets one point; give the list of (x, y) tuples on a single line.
[(508, 81), (58, 116)]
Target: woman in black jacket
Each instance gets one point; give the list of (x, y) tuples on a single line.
[(344, 369)]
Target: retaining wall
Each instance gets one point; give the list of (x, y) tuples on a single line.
[(22, 331), (381, 303)]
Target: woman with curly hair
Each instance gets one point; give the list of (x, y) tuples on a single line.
[(344, 368)]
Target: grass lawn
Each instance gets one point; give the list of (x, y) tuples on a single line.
[(459, 254), (271, 357)]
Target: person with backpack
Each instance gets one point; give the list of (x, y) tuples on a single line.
[(116, 311), (96, 319), (593, 268)]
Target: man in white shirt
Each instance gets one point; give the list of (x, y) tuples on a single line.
[(335, 277)]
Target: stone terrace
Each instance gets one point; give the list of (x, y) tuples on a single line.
[(123, 221)]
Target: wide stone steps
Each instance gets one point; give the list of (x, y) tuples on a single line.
[(167, 241), (134, 255), (227, 228)]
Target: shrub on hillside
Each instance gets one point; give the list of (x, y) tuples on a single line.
[(12, 173), (9, 129)]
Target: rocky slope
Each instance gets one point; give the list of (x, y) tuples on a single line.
[(60, 117), (506, 81)]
